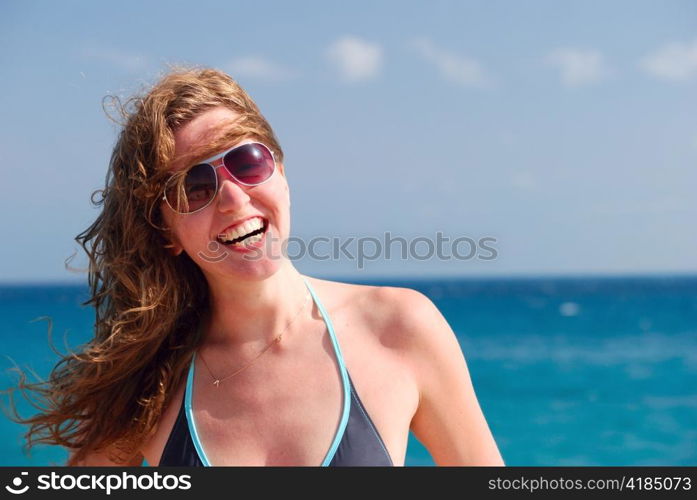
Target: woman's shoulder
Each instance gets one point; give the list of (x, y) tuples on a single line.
[(396, 314), (376, 299)]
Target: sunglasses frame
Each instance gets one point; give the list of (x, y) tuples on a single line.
[(218, 184)]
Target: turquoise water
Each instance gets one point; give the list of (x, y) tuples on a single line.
[(570, 371)]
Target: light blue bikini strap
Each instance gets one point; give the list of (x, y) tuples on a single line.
[(344, 379), (190, 414)]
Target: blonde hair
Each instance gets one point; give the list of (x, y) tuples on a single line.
[(110, 395)]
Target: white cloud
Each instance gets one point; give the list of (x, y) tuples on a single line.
[(579, 67), (674, 61), (258, 68), (355, 59), (523, 180), (456, 68), (119, 58), (674, 204)]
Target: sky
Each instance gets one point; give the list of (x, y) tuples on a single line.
[(562, 133)]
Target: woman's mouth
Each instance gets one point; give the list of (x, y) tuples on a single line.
[(249, 233)]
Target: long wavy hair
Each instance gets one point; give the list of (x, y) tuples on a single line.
[(109, 395)]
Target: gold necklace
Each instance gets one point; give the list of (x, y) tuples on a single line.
[(276, 339)]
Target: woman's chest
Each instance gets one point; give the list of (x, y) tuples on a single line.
[(289, 409)]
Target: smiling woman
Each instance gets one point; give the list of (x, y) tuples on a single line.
[(237, 358)]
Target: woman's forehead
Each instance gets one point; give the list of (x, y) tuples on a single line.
[(204, 128), (202, 136)]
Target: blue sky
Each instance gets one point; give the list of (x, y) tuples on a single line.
[(565, 130)]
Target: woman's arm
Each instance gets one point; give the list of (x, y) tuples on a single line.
[(101, 459), (448, 421)]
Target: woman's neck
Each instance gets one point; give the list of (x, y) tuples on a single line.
[(254, 312)]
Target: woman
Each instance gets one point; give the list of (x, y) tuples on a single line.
[(210, 347)]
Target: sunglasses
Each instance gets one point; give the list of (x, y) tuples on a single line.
[(249, 164)]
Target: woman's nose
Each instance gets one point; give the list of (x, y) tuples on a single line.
[(231, 194)]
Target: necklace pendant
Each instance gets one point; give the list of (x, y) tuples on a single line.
[(216, 383)]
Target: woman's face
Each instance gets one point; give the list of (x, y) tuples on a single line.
[(199, 234)]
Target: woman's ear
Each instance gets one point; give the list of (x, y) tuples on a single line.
[(171, 243), (175, 249)]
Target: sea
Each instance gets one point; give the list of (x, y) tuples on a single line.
[(570, 371)]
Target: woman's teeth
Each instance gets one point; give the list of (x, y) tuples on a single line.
[(251, 239), (250, 232)]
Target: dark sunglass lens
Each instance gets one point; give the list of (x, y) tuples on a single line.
[(199, 187), (250, 163)]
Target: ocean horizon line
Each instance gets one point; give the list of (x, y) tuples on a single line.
[(359, 278)]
